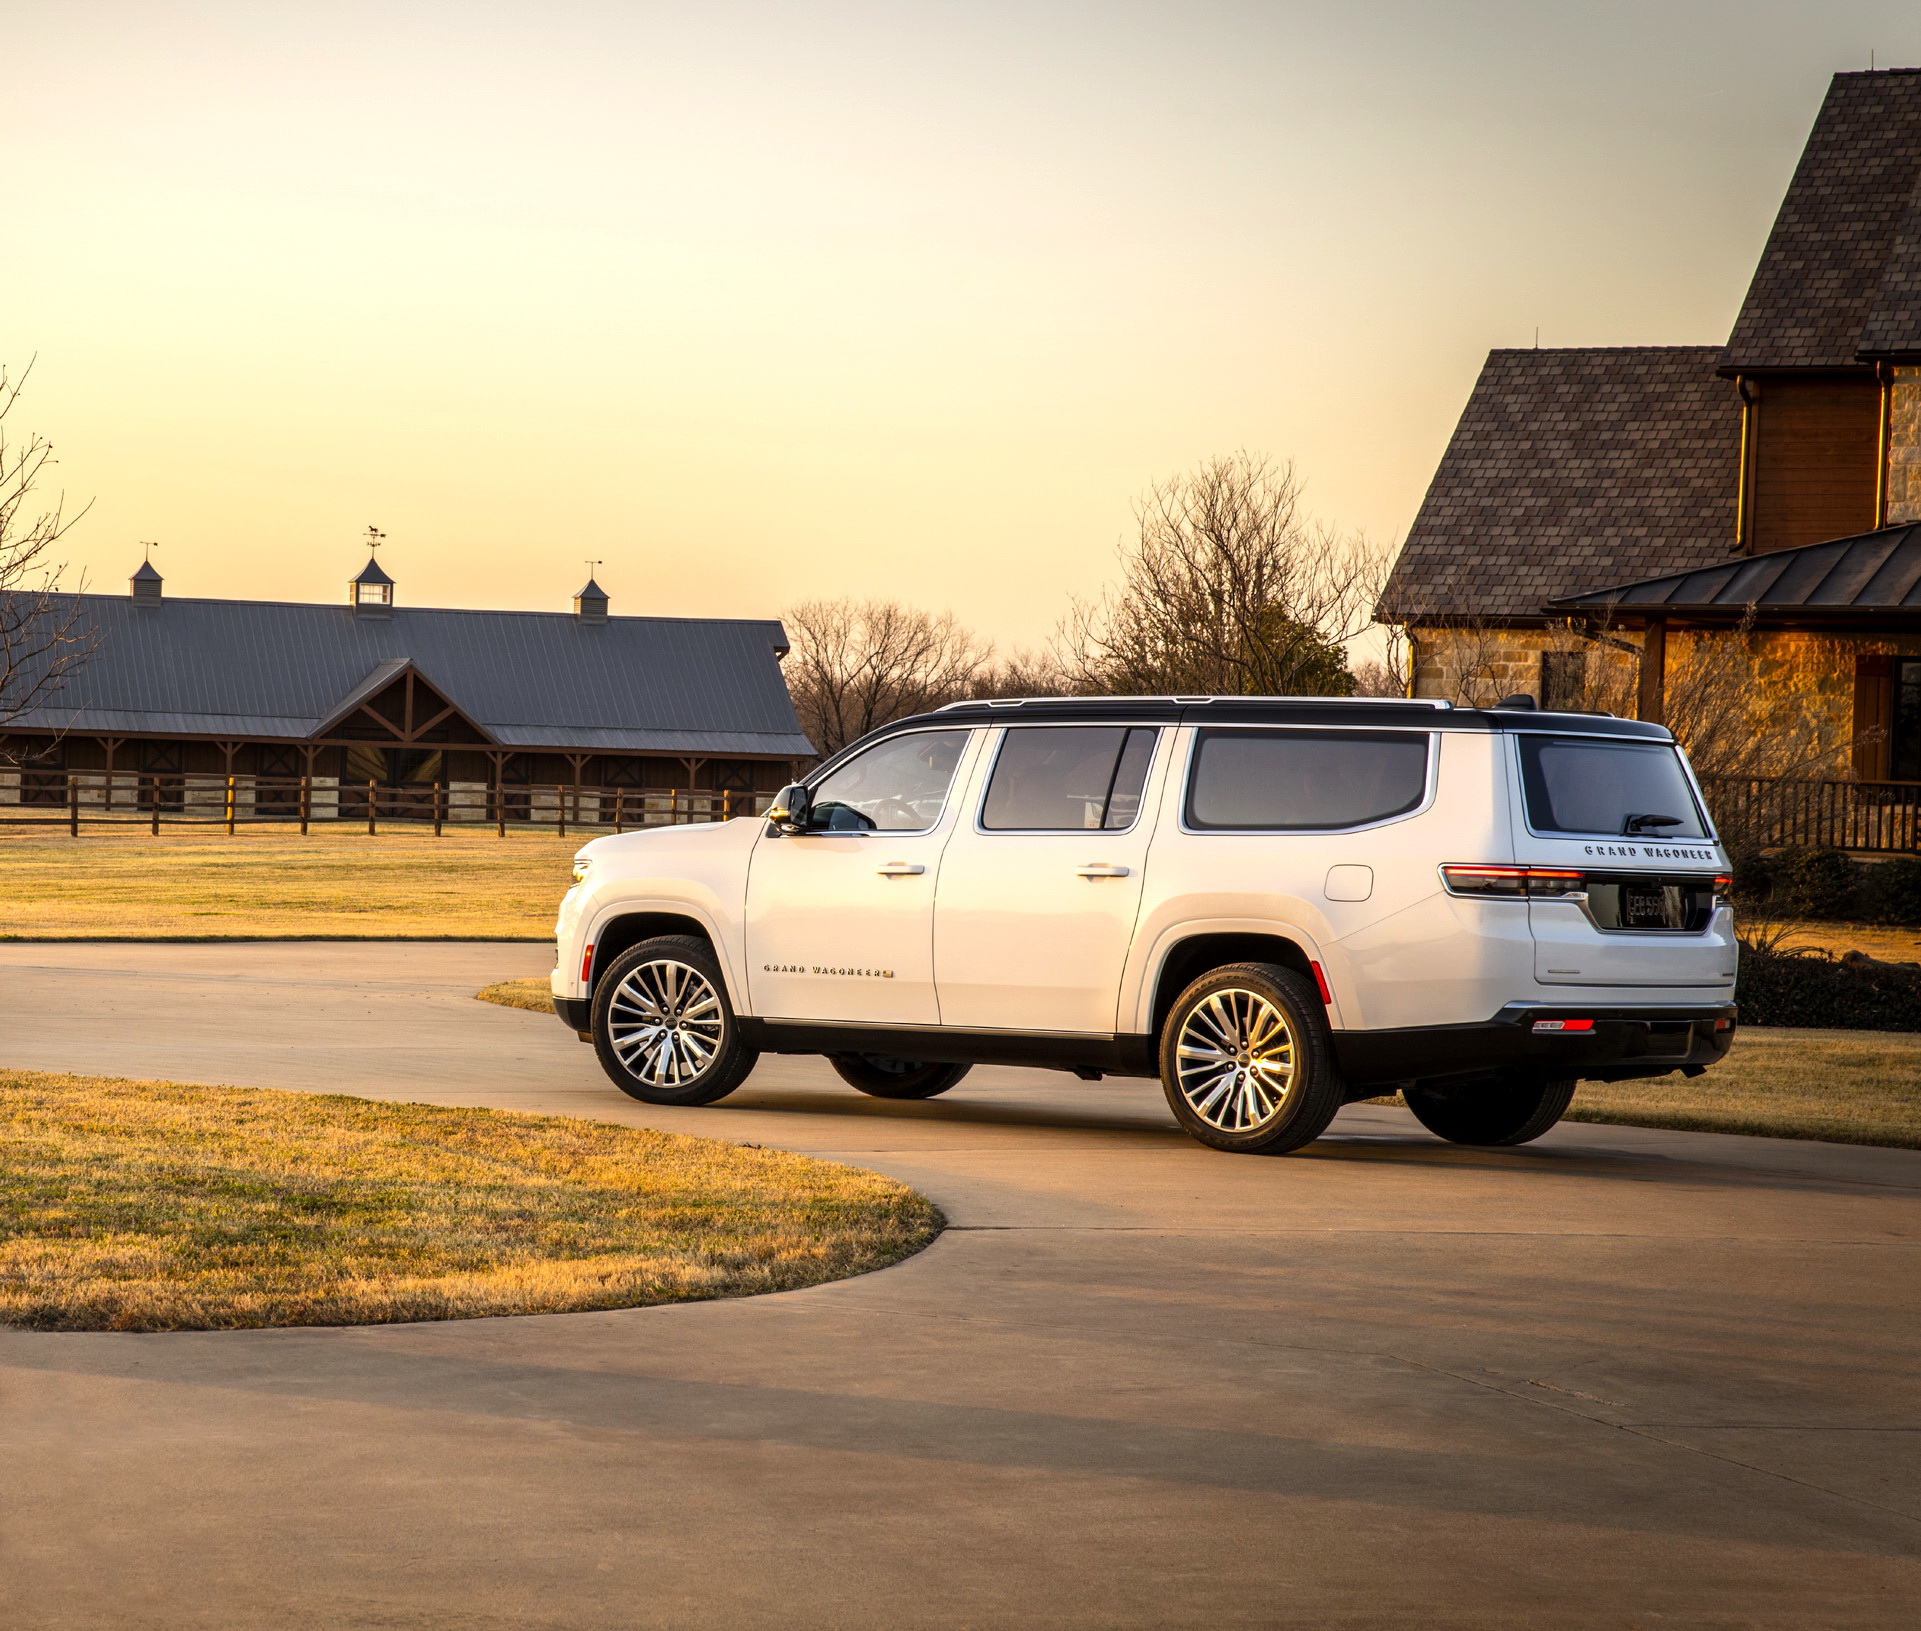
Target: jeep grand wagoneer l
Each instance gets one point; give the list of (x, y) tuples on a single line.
[(1275, 905)]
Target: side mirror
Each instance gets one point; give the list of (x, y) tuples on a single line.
[(790, 809)]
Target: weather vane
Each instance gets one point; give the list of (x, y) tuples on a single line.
[(591, 565), (375, 538), (149, 545)]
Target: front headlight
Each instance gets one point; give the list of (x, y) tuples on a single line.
[(581, 864)]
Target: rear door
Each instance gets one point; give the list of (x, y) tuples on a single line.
[(1040, 885), (1638, 906)]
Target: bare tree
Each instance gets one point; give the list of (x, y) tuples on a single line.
[(44, 636), (1228, 589), (1392, 673), (856, 664)]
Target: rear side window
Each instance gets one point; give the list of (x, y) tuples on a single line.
[(1303, 781), (1068, 778), (1606, 788)]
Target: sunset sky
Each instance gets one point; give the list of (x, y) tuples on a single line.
[(761, 301)]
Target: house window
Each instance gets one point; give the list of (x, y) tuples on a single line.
[(1904, 735)]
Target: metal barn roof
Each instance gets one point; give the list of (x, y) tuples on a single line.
[(250, 668), (1874, 578)]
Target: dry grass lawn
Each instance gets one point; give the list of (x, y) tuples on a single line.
[(1847, 1087), (1841, 1087), (152, 1206), (270, 883), (535, 995)]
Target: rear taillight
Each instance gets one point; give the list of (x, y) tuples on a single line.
[(1564, 1025), (1724, 884), (1511, 882)]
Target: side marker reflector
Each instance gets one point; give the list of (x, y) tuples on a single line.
[(587, 965), (1320, 980), (1564, 1025)]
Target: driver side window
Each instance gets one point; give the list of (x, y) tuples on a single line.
[(899, 785)]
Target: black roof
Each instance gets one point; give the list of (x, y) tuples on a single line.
[(1840, 277), (1874, 578), (270, 669), (1326, 712), (1571, 469)]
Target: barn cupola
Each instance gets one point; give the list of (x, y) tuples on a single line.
[(371, 591), (590, 604), (144, 586)]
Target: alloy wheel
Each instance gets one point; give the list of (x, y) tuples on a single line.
[(1235, 1057), (665, 1023)]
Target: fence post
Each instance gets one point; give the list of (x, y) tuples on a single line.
[(230, 806), (306, 803), (156, 805), (373, 805), (560, 807), (499, 795), (620, 804), (73, 805)]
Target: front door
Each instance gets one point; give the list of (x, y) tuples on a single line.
[(840, 919), (1039, 891)]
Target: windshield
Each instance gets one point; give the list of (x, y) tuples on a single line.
[(1605, 787)]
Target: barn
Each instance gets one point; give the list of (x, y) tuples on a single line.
[(462, 715)]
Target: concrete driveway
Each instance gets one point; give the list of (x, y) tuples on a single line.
[(1619, 1378)]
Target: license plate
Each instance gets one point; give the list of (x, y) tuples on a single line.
[(1648, 908)]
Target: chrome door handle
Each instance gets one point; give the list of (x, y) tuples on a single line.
[(1101, 869), (901, 869)]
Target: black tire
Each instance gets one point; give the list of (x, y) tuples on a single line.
[(887, 1078), (1495, 1114), (1294, 1088), (697, 1057)]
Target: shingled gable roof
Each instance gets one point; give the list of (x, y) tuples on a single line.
[(1874, 577), (1572, 469), (253, 669), (1839, 271)]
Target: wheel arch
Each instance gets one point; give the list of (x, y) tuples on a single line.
[(1191, 956), (624, 930)]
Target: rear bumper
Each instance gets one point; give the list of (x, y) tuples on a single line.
[(1626, 1042), (575, 1013)]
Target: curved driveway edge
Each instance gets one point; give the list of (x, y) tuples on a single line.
[(1619, 1377)]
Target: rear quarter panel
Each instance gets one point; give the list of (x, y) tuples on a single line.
[(1409, 954)]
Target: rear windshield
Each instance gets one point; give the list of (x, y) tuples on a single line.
[(1604, 787), (1303, 781)]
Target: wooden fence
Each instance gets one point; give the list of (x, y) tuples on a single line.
[(80, 799), (1768, 814)]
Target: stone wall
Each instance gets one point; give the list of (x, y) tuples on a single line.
[(1779, 702), (1904, 446)]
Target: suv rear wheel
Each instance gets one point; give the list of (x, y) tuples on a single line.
[(888, 1078), (663, 1027), (1506, 1113), (1247, 1062)]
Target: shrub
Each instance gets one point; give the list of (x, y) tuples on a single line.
[(1891, 892), (1816, 883), (1813, 990)]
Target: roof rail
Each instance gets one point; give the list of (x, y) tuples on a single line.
[(1185, 701)]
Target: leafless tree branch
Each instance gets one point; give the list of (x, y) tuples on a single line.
[(44, 635)]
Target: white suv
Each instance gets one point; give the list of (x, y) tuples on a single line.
[(1275, 905)]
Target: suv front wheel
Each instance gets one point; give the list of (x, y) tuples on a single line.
[(1247, 1061), (663, 1027)]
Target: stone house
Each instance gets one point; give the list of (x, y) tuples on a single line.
[(1727, 537)]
